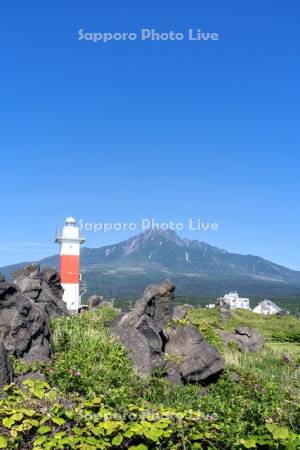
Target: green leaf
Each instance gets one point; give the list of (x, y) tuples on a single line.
[(43, 430), (28, 412), (58, 420), (3, 442), (8, 422), (117, 440), (91, 440), (249, 443), (39, 393), (17, 417), (281, 433), (153, 435), (40, 440), (278, 432), (69, 414)]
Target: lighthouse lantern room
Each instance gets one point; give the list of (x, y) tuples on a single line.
[(70, 241)]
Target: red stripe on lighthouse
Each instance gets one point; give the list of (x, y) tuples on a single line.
[(69, 269)]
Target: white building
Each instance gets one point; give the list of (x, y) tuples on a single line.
[(235, 301), (211, 306), (267, 307)]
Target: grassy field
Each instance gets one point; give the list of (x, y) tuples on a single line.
[(291, 348), (93, 400), (268, 326)]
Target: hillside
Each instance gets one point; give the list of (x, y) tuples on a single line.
[(196, 267)]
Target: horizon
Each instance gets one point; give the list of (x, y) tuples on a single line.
[(171, 130)]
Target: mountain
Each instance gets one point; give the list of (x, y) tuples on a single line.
[(196, 267)]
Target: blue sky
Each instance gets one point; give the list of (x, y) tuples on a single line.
[(170, 130)]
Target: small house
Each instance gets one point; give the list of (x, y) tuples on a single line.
[(267, 307), (233, 300)]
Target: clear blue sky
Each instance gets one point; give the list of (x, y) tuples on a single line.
[(171, 130)]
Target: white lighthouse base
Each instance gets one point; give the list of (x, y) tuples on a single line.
[(71, 296)]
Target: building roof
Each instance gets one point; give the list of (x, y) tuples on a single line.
[(269, 302)]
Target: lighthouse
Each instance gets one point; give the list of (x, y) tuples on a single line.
[(70, 241)]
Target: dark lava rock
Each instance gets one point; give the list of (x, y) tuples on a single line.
[(140, 330), (191, 356), (95, 301), (180, 312), (151, 343), (98, 301), (24, 326), (43, 287), (6, 372), (245, 338)]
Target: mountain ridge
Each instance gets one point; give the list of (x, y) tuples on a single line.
[(155, 254)]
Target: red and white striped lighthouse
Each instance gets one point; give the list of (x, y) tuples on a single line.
[(70, 242)]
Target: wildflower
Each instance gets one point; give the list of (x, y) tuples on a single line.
[(286, 359), (212, 417), (77, 373)]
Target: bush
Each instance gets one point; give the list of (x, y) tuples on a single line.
[(232, 416)]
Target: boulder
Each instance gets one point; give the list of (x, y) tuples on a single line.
[(95, 301), (140, 330), (6, 372), (180, 312), (156, 303), (151, 341), (191, 356), (28, 281), (24, 327), (224, 308), (43, 287), (159, 303), (144, 358), (50, 298), (245, 338), (98, 301)]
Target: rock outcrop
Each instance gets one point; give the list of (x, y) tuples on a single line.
[(43, 287), (140, 330), (24, 327), (245, 338), (190, 357), (151, 343), (6, 373), (26, 305)]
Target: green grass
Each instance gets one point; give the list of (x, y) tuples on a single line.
[(89, 369), (268, 326), (290, 348), (87, 361)]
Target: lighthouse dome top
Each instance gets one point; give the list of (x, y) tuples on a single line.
[(70, 221)]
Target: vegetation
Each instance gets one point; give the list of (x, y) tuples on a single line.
[(274, 327), (92, 399)]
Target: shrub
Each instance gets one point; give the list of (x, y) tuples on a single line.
[(232, 416)]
